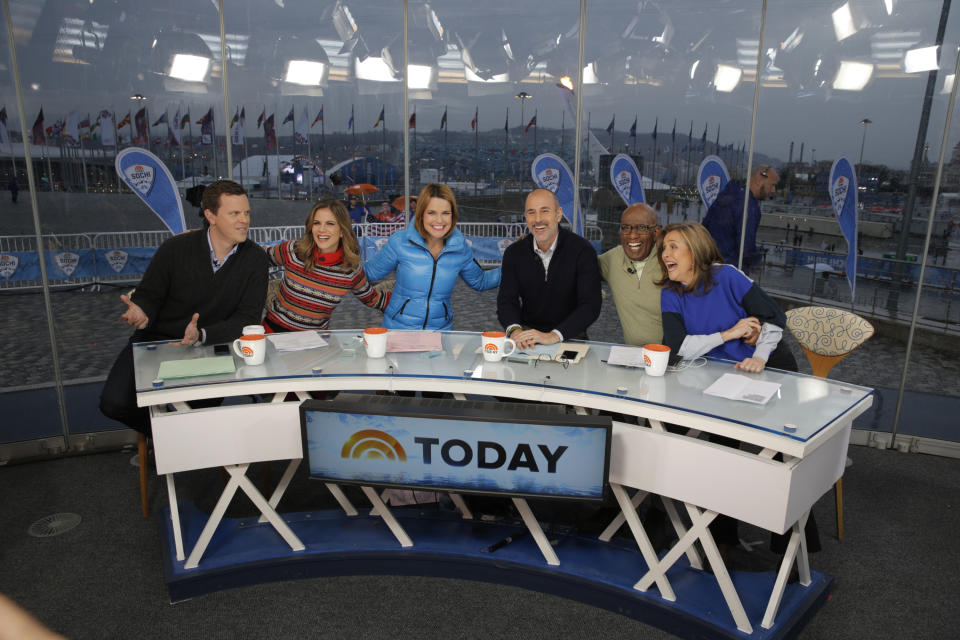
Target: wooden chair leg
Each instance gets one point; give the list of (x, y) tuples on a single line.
[(144, 461), (838, 494)]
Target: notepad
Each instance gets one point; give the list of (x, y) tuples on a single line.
[(736, 387), (409, 341), (172, 369)]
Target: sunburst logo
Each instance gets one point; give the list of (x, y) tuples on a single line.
[(372, 444)]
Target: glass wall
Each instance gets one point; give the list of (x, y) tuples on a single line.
[(322, 98)]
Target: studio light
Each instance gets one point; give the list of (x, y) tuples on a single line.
[(305, 72), (852, 76), (726, 78), (843, 25), (921, 59), (189, 67)]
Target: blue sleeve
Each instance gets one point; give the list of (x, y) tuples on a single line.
[(384, 262), (475, 276)]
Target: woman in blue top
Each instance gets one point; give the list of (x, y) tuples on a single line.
[(710, 308), (428, 256)]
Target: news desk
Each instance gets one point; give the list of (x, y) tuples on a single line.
[(807, 423)]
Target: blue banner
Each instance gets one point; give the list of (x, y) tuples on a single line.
[(843, 196), (125, 261), (626, 179), (150, 179), (466, 455), (74, 264), (550, 172), (712, 177), (17, 266)]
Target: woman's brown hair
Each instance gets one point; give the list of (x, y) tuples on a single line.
[(703, 251), (305, 246), (434, 190)]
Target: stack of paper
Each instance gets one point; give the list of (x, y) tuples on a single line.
[(736, 387), (626, 356), (296, 340), (409, 341)]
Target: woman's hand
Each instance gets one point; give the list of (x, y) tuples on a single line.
[(753, 365), (744, 328)]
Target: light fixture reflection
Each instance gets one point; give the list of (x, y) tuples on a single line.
[(189, 67), (948, 81), (419, 76), (921, 59), (852, 76), (305, 72), (373, 69), (843, 25), (726, 78)]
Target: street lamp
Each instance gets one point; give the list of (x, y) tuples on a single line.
[(863, 141), (523, 96)]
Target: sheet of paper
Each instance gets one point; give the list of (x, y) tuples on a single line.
[(173, 369), (296, 340), (538, 350), (406, 341), (737, 387), (626, 356)]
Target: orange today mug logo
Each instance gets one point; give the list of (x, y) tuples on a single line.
[(646, 360), (490, 347), (373, 444), (246, 351)]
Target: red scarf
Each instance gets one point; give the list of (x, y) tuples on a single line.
[(328, 259)]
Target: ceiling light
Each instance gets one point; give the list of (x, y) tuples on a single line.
[(305, 72), (922, 59), (843, 25), (373, 69), (852, 76), (189, 67), (727, 78)]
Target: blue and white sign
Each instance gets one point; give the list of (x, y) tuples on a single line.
[(550, 172), (712, 177), (843, 196), (150, 179), (626, 179), (463, 455)]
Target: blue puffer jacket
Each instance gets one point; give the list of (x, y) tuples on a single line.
[(421, 296)]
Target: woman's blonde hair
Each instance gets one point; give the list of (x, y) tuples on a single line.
[(703, 251), (305, 246), (434, 190)]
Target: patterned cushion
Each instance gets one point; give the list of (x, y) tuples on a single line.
[(827, 331)]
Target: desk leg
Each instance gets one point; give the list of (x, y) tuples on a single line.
[(216, 516), (266, 508), (342, 499), (461, 506), (175, 517), (619, 520), (693, 556), (629, 511), (534, 528), (379, 508), (796, 552), (281, 486)]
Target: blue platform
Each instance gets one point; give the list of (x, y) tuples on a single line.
[(244, 552)]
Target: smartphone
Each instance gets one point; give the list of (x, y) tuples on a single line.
[(570, 354), (221, 349)]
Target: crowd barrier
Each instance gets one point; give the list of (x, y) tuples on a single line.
[(876, 268), (122, 257)]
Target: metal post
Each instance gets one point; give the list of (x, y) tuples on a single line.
[(226, 95), (753, 129)]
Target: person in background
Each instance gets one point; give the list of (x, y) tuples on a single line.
[(358, 211), (385, 215), (428, 256), (319, 268), (724, 219), (550, 289)]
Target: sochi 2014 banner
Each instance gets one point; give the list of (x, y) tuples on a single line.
[(712, 177), (843, 196), (626, 179), (550, 172), (150, 179)]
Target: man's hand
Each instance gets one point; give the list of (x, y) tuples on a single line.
[(752, 364), (526, 339), (134, 315), (744, 328), (191, 335)]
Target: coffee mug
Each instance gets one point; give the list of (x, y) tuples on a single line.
[(253, 329), (493, 345), (251, 347), (655, 358), (375, 339)]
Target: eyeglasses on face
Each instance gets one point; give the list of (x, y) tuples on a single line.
[(639, 228)]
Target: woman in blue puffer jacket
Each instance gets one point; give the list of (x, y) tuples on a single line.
[(428, 256)]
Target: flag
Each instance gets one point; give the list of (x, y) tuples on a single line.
[(319, 117), (718, 137), (532, 123), (673, 134), (260, 118), (4, 134), (38, 136), (506, 122), (350, 122), (236, 128), (412, 124), (206, 128), (289, 117), (610, 126), (269, 134), (140, 120), (633, 128), (160, 120), (124, 121), (301, 128), (703, 139), (690, 135), (108, 136), (71, 133), (85, 128), (476, 116), (379, 118), (173, 129), (443, 120), (654, 135)]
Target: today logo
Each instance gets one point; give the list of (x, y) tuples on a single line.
[(373, 444), (246, 351), (490, 347), (647, 361)]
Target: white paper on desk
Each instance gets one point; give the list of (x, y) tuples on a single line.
[(736, 387), (625, 356), (407, 341), (296, 340), (538, 350)]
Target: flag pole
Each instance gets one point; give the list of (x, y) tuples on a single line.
[(293, 129), (213, 139), (83, 157), (116, 146), (183, 167), (310, 156), (446, 127), (476, 148), (276, 148)]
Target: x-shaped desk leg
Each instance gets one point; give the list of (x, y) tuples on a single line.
[(380, 509), (629, 510), (699, 531), (282, 486), (796, 552), (239, 480), (536, 532)]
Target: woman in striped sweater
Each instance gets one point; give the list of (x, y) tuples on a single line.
[(318, 270)]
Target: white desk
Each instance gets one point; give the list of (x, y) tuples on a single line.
[(707, 479)]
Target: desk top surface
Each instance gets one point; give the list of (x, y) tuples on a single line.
[(808, 403)]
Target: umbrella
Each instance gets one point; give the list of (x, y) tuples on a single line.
[(362, 189), (398, 204)]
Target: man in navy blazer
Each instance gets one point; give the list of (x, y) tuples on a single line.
[(550, 283)]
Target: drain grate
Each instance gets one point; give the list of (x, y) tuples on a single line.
[(54, 525)]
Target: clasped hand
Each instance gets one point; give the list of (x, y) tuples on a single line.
[(136, 318), (527, 338)]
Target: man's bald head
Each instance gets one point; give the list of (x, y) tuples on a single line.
[(638, 231)]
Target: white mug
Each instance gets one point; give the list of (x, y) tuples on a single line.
[(375, 339), (253, 329), (251, 347), (655, 358), (493, 344)]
